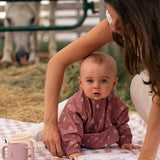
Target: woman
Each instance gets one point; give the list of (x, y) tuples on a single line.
[(134, 25)]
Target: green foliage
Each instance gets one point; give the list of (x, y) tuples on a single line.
[(1, 46), (43, 46), (70, 83), (124, 79)]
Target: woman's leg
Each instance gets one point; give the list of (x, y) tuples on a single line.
[(140, 95)]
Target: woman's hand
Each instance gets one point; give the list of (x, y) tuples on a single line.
[(51, 139)]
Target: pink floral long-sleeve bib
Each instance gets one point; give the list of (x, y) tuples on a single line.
[(93, 124)]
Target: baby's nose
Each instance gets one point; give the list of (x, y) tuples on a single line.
[(96, 85)]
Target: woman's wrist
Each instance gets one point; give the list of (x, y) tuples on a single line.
[(52, 119)]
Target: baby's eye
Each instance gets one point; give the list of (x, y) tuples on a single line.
[(103, 81), (90, 81)]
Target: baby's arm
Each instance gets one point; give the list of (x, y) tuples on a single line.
[(74, 155), (130, 146)]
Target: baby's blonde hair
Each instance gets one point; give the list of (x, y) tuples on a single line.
[(99, 58)]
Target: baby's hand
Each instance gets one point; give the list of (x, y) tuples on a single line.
[(76, 155), (130, 146)]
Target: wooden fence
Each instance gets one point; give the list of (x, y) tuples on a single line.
[(67, 12)]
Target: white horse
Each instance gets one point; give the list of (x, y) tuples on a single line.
[(25, 14)]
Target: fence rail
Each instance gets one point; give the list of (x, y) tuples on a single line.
[(63, 15)]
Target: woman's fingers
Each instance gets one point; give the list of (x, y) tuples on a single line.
[(51, 139), (59, 148)]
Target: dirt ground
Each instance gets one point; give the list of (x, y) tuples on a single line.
[(22, 90)]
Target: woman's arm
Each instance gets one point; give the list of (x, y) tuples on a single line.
[(152, 138), (93, 40)]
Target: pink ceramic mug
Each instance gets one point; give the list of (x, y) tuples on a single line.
[(23, 137), (17, 151)]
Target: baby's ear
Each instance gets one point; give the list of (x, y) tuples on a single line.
[(80, 82), (115, 82)]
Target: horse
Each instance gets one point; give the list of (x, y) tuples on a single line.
[(25, 14)]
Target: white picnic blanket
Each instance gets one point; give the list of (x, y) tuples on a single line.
[(138, 128)]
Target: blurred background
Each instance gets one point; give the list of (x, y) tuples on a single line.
[(22, 87)]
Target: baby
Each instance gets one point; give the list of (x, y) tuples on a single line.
[(95, 117)]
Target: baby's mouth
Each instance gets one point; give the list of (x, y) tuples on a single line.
[(96, 93)]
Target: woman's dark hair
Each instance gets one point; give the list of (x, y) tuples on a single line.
[(140, 21)]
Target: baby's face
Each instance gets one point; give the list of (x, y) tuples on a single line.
[(97, 80)]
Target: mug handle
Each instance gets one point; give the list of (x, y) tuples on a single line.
[(8, 141), (32, 152), (3, 151), (34, 142)]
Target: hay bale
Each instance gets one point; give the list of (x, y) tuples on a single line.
[(22, 91)]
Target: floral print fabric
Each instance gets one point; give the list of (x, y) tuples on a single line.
[(93, 124)]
